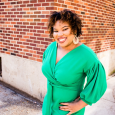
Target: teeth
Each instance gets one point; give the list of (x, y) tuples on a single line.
[(61, 39)]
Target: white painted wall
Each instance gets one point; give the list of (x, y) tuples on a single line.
[(26, 74), (108, 60)]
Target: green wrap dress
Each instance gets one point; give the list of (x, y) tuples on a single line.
[(65, 80)]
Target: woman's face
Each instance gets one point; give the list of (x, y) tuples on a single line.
[(63, 34)]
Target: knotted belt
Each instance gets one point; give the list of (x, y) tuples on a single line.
[(50, 94)]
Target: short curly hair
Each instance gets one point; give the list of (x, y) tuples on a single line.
[(65, 16)]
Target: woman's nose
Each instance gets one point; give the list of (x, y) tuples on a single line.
[(60, 34)]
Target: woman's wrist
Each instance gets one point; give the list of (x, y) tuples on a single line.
[(80, 104)]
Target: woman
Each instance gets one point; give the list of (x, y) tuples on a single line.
[(66, 64)]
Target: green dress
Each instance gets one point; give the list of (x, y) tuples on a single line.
[(65, 80)]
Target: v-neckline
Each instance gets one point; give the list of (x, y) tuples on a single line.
[(65, 54)]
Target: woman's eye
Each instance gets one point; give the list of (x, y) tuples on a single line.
[(55, 31), (65, 29)]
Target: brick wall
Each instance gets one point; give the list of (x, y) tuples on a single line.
[(23, 25)]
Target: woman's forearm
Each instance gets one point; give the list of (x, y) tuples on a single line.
[(80, 104)]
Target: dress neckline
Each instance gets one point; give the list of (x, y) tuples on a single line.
[(65, 54)]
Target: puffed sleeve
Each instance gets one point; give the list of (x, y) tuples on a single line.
[(96, 84)]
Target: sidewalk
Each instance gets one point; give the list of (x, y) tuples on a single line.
[(12, 103), (106, 105)]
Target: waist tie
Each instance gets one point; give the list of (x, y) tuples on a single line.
[(50, 95)]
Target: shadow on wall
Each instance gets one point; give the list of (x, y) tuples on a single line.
[(101, 40)]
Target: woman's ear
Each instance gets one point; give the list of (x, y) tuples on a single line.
[(75, 32), (71, 32)]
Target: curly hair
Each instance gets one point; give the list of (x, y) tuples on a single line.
[(66, 16)]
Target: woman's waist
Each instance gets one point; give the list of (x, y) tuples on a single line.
[(65, 95), (74, 87)]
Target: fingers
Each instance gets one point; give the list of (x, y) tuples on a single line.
[(69, 113), (64, 108), (64, 103)]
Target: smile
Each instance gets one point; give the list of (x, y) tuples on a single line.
[(62, 39)]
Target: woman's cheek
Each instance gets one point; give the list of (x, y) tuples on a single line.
[(54, 35), (67, 32)]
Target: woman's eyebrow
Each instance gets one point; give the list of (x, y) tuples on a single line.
[(62, 27), (65, 26)]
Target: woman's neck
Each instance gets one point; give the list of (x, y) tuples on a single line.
[(69, 47)]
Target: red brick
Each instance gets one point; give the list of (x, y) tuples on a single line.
[(29, 47), (49, 8), (7, 52), (12, 41), (19, 49), (32, 44), (25, 57), (41, 0), (61, 1), (29, 5), (44, 35), (22, 39), (34, 8), (5, 43), (37, 4), (45, 43), (33, 38), (41, 8), (38, 42), (34, 31), (49, 0), (23, 5), (45, 12), (30, 20), (39, 38), (32, 51), (33, 1), (40, 31), (28, 54), (45, 4), (37, 20), (35, 48), (15, 45), (28, 40), (32, 23), (32, 28), (35, 34), (39, 60), (25, 50), (68, 2), (26, 43), (38, 52), (22, 46), (26, 37), (37, 27), (13, 48)]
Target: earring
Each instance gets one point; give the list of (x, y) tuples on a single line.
[(75, 40)]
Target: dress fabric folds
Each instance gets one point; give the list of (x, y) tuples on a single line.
[(65, 80)]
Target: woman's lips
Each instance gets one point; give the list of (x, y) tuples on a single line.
[(62, 39)]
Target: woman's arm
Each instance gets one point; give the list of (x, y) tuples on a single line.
[(73, 106)]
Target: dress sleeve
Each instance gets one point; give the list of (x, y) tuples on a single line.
[(96, 84)]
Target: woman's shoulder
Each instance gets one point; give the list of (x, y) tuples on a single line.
[(87, 52), (51, 46)]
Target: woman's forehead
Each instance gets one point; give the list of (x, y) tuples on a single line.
[(60, 24)]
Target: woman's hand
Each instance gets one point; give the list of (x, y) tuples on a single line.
[(73, 106)]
